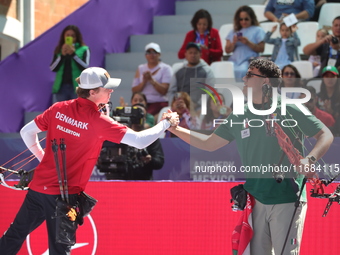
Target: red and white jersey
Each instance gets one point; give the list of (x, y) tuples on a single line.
[(84, 129)]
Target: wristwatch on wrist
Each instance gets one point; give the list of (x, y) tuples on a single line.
[(312, 159)]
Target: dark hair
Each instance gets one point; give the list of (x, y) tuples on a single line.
[(311, 90), (250, 12), (142, 95), (323, 91), (185, 96), (201, 14), (338, 17), (298, 82), (210, 116), (79, 37), (297, 73), (284, 24), (193, 45), (269, 69)]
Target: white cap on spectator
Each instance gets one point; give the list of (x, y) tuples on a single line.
[(95, 77), (153, 46)]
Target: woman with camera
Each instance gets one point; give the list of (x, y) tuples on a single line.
[(245, 41), (140, 98)]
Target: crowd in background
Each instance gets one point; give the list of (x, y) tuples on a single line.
[(162, 87)]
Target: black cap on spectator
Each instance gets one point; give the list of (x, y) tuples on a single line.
[(193, 45)]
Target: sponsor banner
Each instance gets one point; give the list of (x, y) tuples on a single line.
[(182, 218)]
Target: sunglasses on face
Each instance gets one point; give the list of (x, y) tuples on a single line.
[(289, 74), (245, 19), (149, 52), (250, 74)]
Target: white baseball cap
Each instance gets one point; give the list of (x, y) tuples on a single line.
[(95, 77), (153, 46)]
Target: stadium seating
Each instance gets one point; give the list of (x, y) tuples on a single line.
[(223, 69), (224, 31), (305, 68), (315, 84), (327, 13), (307, 33), (259, 11), (176, 66)]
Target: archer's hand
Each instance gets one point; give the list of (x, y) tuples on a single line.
[(307, 168), (172, 117)]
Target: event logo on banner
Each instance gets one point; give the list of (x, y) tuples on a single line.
[(87, 240)]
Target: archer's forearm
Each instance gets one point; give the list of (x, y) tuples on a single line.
[(324, 140), (198, 140), (29, 136)]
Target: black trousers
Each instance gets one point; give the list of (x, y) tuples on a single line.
[(36, 208)]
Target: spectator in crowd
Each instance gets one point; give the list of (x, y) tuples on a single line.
[(318, 4), (285, 48), (328, 48), (276, 10), (153, 79), (182, 105), (140, 98), (193, 67), (336, 129), (142, 162), (291, 78), (316, 59), (205, 35), (329, 95), (325, 117), (71, 57), (215, 110), (245, 41)]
